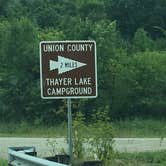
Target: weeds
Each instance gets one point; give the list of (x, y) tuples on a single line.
[(79, 128), (3, 162), (52, 144), (102, 138), (99, 137), (137, 127)]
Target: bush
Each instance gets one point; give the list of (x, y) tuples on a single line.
[(102, 139)]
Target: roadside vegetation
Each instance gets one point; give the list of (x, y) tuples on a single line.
[(131, 61), (3, 162), (140, 159), (131, 57), (28, 130), (137, 127)]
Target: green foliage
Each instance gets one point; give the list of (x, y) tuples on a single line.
[(142, 42), (79, 129), (139, 85), (3, 162), (99, 136), (135, 14), (102, 142), (137, 127), (19, 62), (140, 128), (149, 76), (50, 34), (130, 36), (3, 7), (143, 158), (4, 37), (85, 2), (92, 10), (102, 139), (25, 129), (16, 10)]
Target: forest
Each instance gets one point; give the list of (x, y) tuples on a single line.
[(130, 37)]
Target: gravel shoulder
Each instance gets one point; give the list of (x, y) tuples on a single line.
[(43, 149)]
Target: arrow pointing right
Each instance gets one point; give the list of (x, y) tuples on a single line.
[(65, 64)]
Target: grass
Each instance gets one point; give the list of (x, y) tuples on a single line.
[(26, 130), (140, 159), (126, 128), (3, 162), (140, 128)]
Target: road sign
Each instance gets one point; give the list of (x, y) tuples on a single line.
[(68, 69)]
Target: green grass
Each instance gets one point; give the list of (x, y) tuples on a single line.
[(140, 128), (3, 162), (26, 130), (140, 159), (127, 128)]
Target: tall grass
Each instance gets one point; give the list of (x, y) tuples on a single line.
[(124, 128), (140, 128), (140, 159), (24, 129), (3, 162)]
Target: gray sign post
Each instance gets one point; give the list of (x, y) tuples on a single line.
[(68, 70), (70, 142)]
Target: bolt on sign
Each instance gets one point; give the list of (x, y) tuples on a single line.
[(68, 69)]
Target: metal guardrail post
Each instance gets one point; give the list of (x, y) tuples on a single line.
[(18, 156)]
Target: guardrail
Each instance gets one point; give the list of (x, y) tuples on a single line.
[(25, 156)]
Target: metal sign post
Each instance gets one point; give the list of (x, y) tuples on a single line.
[(70, 142)]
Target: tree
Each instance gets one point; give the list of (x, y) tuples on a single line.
[(3, 7), (150, 78), (133, 14), (142, 41)]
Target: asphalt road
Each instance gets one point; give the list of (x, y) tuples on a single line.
[(43, 149)]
